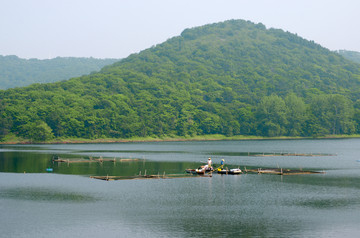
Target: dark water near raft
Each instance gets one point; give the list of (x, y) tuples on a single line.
[(67, 203)]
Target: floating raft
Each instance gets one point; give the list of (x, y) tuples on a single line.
[(112, 178), (269, 154), (75, 161), (280, 171), (291, 154), (275, 171), (90, 160)]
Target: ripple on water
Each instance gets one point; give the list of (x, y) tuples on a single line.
[(44, 195)]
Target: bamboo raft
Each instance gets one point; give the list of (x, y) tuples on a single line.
[(270, 154), (90, 160), (112, 178), (280, 171), (273, 171), (291, 154)]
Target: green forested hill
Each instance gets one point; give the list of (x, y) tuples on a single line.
[(350, 55), (17, 72), (230, 78)]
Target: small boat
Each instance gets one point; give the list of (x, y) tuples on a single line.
[(229, 171), (199, 170), (49, 169)]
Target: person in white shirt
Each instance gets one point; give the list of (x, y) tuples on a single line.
[(209, 163)]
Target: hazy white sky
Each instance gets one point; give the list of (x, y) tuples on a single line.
[(116, 28)]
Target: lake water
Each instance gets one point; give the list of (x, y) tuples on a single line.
[(68, 203)]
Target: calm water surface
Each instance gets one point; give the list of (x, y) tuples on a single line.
[(67, 203)]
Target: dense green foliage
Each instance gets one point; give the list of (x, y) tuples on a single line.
[(230, 78), (17, 72), (350, 55)]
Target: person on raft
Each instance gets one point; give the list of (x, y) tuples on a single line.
[(209, 165)]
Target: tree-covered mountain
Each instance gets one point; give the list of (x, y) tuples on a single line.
[(350, 55), (230, 78), (17, 72)]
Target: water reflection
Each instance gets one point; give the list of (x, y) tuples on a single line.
[(20, 162)]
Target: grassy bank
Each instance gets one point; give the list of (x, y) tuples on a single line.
[(12, 139)]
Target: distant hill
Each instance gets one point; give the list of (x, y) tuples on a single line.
[(17, 72), (350, 55), (229, 78)]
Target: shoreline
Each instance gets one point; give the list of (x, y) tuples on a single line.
[(169, 139)]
